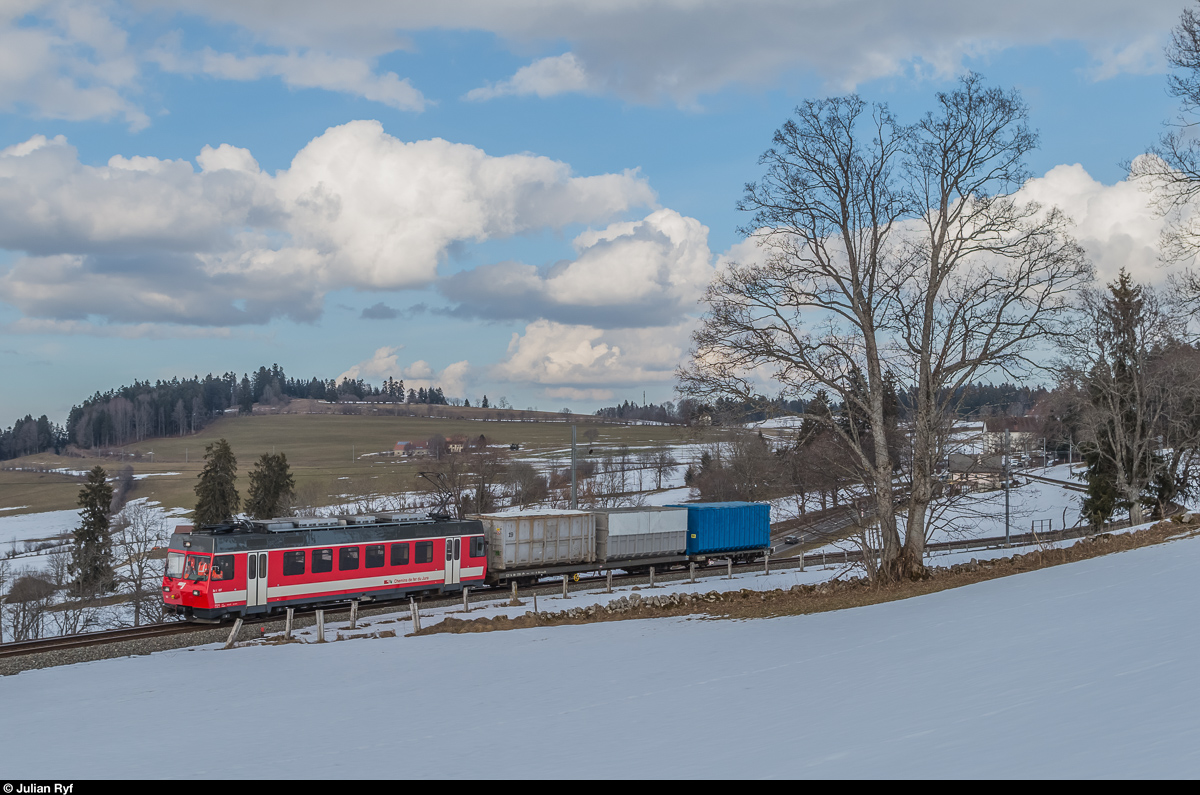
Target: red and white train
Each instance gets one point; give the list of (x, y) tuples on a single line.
[(257, 567)]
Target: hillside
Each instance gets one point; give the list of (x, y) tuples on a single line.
[(331, 455), (1081, 670)]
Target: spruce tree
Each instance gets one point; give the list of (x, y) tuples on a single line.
[(271, 485), (217, 498), (91, 559)]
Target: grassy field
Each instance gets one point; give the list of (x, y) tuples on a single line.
[(329, 455)]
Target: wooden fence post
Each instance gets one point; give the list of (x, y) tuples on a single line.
[(416, 614), (651, 576), (353, 614), (466, 599), (233, 633), (692, 571), (564, 586), (320, 626), (729, 567), (609, 580), (287, 627), (767, 563)]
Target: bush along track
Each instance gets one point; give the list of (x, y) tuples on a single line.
[(821, 597)]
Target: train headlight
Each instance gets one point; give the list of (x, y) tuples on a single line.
[(195, 593)]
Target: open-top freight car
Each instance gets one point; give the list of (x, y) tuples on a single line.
[(256, 567)]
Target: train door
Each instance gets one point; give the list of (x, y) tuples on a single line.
[(256, 579), (453, 560)]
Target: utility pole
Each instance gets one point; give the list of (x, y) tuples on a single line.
[(574, 491), (1007, 475)]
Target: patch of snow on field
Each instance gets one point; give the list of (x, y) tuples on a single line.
[(32, 526), (155, 475), (1073, 671), (981, 514)]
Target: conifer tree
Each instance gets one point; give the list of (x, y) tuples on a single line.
[(217, 498), (91, 559), (271, 484)]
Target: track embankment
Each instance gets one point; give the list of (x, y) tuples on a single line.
[(821, 597)]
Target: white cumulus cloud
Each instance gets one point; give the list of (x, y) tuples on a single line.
[(558, 355), (144, 239), (546, 77), (650, 272)]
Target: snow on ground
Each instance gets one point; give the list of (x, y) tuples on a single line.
[(31, 526), (668, 497), (981, 514), (1074, 671), (48, 525)]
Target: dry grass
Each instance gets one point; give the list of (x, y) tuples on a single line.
[(326, 453)]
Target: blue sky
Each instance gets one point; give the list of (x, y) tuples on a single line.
[(530, 196)]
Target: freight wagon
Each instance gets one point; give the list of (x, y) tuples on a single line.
[(741, 530)]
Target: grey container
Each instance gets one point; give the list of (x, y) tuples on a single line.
[(632, 533), (537, 539)]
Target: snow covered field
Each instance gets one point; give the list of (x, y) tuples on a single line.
[(1083, 670)]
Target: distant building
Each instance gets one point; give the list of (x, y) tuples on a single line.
[(411, 449), (1025, 434)]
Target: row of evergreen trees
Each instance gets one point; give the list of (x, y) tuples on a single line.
[(92, 567), (144, 410), (217, 498)]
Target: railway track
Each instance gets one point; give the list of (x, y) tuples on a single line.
[(588, 581), (84, 639)]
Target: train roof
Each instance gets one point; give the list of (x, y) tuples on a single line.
[(297, 531)]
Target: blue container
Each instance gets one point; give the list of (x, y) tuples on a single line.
[(715, 527)]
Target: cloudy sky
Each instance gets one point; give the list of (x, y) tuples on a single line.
[(514, 197)]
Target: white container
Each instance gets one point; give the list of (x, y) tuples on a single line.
[(536, 539), (629, 533)]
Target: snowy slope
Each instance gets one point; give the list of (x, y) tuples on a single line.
[(1080, 670)]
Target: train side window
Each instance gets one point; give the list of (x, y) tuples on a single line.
[(322, 561), (399, 554), (251, 566), (293, 563), (375, 556), (424, 552), (222, 568), (347, 558), (449, 550), (477, 547)]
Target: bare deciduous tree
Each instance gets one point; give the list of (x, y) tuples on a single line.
[(139, 530), (988, 276), (898, 259), (1128, 371), (813, 315)]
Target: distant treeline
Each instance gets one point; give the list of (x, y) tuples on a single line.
[(145, 410), (688, 411), (974, 400)]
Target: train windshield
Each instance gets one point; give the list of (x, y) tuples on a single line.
[(196, 568), (174, 565)]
